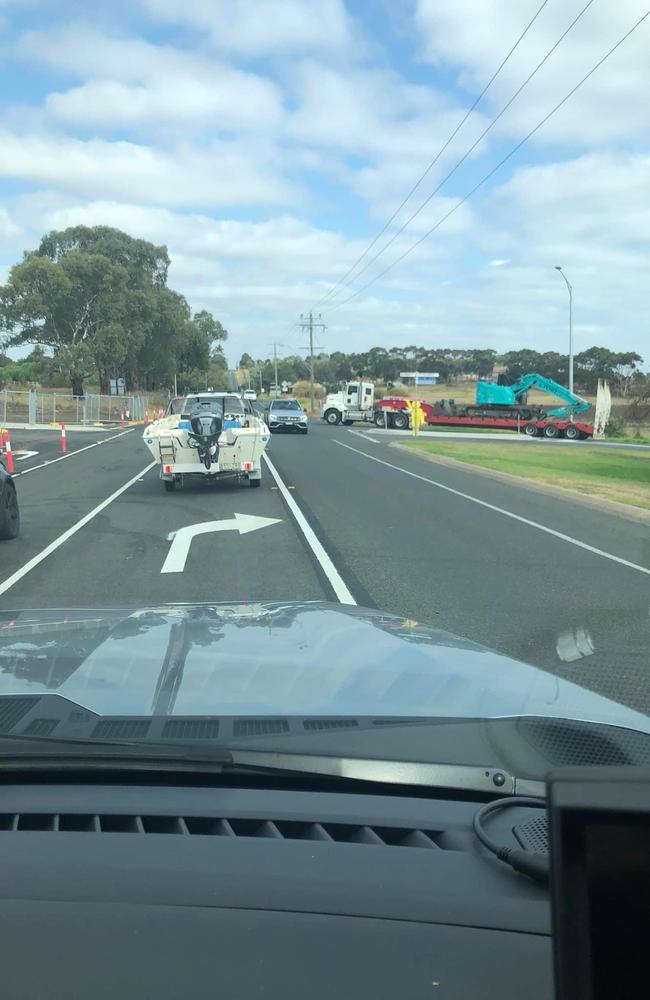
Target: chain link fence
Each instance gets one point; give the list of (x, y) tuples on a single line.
[(33, 407)]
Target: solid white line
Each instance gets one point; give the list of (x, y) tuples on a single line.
[(58, 542), (343, 594), (505, 513), (51, 461), (365, 436)]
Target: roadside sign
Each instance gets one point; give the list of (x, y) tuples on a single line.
[(117, 387)]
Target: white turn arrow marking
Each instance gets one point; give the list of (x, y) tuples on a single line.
[(20, 456), (182, 539)]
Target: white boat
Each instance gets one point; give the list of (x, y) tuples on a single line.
[(208, 434)]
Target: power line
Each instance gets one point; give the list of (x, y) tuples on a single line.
[(471, 149), (436, 157), (497, 167)]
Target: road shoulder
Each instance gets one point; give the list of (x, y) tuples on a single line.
[(631, 513)]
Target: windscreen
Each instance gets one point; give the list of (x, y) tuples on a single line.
[(286, 404), (418, 234)]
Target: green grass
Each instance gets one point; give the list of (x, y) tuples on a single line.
[(630, 439), (615, 475)]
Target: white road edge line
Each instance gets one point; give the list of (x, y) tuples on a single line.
[(338, 586), (505, 513), (365, 436), (58, 542), (69, 454)]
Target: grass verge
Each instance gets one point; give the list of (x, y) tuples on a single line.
[(623, 476)]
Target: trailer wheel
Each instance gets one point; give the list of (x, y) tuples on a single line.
[(530, 430), (170, 485), (551, 431), (571, 432), (380, 419), (332, 417), (400, 421)]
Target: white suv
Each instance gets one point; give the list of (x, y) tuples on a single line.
[(286, 415)]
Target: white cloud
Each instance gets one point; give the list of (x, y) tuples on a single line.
[(597, 203), (257, 27), (369, 111), (325, 131), (472, 37), (129, 82), (219, 174)]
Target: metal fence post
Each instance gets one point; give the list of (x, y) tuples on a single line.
[(31, 407)]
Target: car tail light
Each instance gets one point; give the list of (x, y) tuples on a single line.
[(168, 468), (247, 466)]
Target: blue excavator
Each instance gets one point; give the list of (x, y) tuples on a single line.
[(516, 395)]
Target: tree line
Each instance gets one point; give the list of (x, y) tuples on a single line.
[(623, 369), (95, 304)]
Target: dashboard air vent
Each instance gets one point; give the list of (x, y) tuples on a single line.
[(231, 827), (13, 708), (121, 729), (190, 729), (41, 727), (260, 727), (321, 724)]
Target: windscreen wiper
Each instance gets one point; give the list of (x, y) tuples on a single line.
[(18, 753)]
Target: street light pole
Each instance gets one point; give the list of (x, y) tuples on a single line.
[(570, 290)]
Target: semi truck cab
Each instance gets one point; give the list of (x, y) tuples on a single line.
[(356, 401)]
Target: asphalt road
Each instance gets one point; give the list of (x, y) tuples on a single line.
[(550, 582)]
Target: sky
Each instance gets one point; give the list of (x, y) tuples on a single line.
[(268, 142)]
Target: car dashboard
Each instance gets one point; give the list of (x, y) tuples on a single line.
[(164, 890)]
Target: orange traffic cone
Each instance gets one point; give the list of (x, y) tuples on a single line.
[(8, 454)]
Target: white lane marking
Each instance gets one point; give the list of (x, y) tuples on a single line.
[(343, 594), (505, 513), (58, 542), (182, 539), (20, 456), (52, 461), (364, 435)]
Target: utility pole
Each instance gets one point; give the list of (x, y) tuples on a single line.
[(570, 291), (309, 324), (275, 366), (275, 346)]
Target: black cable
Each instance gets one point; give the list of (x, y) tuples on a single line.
[(436, 157), (471, 149), (528, 863), (497, 167)]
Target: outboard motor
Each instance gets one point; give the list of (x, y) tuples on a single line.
[(206, 428)]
